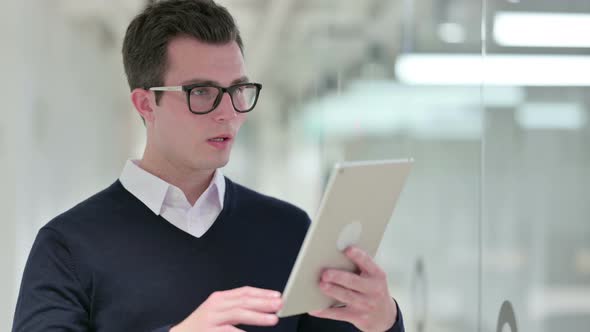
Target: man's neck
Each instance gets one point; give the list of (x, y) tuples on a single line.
[(192, 182)]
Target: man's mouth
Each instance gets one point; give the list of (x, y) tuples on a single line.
[(218, 139)]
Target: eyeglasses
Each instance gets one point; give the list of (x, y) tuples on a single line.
[(204, 98)]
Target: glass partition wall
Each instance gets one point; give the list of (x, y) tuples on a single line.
[(490, 98)]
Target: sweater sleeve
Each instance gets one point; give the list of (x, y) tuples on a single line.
[(51, 297), (309, 323), (398, 326)]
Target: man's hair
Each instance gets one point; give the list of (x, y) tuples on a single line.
[(147, 37)]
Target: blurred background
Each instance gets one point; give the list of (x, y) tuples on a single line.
[(490, 97)]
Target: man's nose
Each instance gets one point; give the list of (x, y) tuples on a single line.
[(225, 110)]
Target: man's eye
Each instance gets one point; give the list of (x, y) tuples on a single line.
[(200, 92), (245, 88)]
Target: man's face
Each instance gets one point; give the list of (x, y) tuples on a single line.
[(185, 139)]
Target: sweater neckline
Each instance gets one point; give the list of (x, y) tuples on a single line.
[(214, 232)]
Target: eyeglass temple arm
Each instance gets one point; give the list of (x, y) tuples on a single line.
[(166, 88)]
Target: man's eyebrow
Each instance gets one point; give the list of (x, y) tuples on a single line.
[(242, 79)]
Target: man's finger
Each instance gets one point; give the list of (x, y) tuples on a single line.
[(260, 304), (364, 261), (228, 328), (349, 280), (352, 299), (247, 317), (253, 292)]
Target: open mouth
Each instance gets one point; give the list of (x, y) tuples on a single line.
[(218, 139)]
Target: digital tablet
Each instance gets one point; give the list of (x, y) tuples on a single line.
[(356, 207)]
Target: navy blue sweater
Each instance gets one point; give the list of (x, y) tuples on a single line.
[(110, 264)]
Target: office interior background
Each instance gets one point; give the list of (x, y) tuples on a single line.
[(490, 97)]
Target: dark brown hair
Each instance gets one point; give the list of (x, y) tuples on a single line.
[(148, 35)]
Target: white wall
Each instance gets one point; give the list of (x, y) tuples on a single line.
[(66, 127)]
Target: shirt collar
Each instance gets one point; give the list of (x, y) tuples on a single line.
[(152, 191), (219, 182)]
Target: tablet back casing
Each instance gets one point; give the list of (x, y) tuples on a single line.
[(355, 210)]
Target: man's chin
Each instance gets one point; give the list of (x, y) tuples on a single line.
[(214, 163), (222, 164)]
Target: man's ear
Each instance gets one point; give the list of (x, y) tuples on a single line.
[(143, 102)]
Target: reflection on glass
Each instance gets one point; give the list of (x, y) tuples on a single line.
[(506, 319), (536, 167), (420, 295)]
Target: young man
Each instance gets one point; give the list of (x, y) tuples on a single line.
[(173, 245)]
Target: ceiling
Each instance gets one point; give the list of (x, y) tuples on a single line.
[(302, 47)]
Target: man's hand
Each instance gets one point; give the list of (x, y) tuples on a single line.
[(222, 310), (369, 306)]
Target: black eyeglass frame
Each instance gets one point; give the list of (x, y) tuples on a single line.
[(221, 91)]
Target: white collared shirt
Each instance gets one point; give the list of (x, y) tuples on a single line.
[(170, 202)]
